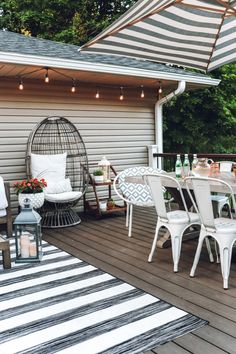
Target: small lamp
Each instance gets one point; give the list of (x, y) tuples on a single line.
[(105, 166), (28, 235)]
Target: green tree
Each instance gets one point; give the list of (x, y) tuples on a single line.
[(70, 21), (204, 120)]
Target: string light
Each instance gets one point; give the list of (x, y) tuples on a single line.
[(142, 92), (73, 86), (21, 86), (46, 77), (121, 93), (74, 83)]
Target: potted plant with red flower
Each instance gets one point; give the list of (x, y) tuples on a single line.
[(31, 189)]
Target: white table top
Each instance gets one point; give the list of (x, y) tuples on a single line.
[(215, 187)]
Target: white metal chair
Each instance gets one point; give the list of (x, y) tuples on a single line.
[(221, 229), (221, 200), (177, 222), (134, 193)]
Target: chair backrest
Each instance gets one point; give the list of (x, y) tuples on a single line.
[(156, 183), (201, 187), (135, 193)]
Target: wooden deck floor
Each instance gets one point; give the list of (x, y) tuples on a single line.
[(104, 244)]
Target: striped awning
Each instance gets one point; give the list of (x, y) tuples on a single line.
[(200, 34)]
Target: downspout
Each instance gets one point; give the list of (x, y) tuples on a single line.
[(159, 118)]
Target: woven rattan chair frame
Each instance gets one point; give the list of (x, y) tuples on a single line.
[(56, 135)]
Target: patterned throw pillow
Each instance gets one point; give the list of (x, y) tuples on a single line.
[(58, 187)]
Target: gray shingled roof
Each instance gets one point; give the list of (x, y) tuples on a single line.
[(18, 43)]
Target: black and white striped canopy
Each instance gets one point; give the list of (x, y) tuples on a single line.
[(200, 34)]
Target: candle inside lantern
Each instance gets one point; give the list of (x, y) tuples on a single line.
[(32, 249), (24, 245)]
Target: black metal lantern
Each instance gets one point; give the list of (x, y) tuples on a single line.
[(28, 235)]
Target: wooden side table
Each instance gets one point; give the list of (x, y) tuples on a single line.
[(5, 248), (93, 205)]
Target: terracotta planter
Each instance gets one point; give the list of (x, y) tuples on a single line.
[(36, 199)]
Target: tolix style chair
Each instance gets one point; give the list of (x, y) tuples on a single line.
[(177, 221), (220, 200), (221, 229)]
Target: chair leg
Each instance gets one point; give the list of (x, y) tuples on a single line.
[(127, 215), (220, 214), (9, 228), (130, 219), (217, 252), (208, 246), (154, 244), (176, 248), (197, 255), (229, 211), (225, 257), (6, 259)]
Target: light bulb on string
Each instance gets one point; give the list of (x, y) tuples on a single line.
[(142, 92), (97, 94), (46, 77), (21, 86), (160, 88), (121, 93), (73, 87)]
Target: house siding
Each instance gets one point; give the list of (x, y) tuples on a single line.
[(119, 130)]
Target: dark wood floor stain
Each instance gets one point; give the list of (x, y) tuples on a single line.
[(104, 243)]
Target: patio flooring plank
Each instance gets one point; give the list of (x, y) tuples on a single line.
[(198, 345), (171, 348), (105, 244)]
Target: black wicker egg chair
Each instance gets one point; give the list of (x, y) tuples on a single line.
[(55, 137)]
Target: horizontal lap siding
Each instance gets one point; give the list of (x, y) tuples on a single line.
[(119, 130)]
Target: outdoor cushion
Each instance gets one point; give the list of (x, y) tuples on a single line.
[(50, 167), (58, 187), (65, 197)]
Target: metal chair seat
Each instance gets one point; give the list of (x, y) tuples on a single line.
[(181, 216)]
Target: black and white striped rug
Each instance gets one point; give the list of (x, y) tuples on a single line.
[(64, 305)]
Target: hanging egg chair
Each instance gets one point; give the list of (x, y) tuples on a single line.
[(56, 152)]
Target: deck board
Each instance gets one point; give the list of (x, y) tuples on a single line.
[(104, 243)]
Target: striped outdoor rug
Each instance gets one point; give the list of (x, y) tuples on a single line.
[(66, 305)]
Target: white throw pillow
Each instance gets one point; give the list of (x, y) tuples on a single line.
[(58, 187), (50, 167)]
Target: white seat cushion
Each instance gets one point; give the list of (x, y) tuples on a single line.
[(63, 197), (181, 217)]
